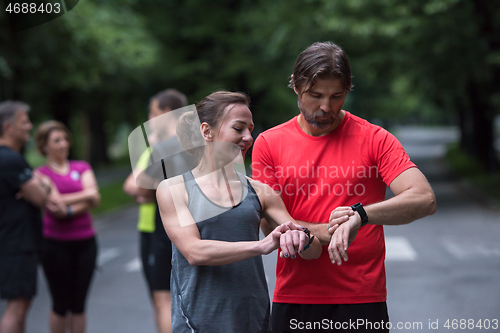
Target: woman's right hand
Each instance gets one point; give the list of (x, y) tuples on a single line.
[(271, 242), (275, 238)]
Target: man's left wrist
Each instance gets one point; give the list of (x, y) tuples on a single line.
[(358, 208), (358, 220)]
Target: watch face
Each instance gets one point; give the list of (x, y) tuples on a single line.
[(356, 206)]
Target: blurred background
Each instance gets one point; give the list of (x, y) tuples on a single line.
[(432, 62), (428, 68)]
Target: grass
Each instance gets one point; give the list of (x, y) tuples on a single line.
[(468, 168), (112, 197)]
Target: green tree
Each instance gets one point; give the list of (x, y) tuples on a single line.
[(444, 51), (84, 68)]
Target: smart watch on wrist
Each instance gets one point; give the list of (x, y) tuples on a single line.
[(69, 212), (311, 238), (361, 211)]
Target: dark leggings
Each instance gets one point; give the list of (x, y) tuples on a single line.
[(69, 266)]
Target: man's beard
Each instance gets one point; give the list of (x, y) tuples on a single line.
[(312, 118)]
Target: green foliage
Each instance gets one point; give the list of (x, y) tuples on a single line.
[(469, 168), (461, 163), (112, 197), (33, 157), (97, 66), (108, 39)]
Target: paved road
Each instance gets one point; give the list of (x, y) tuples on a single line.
[(118, 301), (446, 266)]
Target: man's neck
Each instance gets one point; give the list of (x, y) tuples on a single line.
[(10, 144), (313, 131)]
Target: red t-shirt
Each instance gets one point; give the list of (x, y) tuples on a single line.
[(353, 163)]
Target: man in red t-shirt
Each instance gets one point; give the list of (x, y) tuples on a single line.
[(332, 169)]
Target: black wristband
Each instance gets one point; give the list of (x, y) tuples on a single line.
[(69, 212), (361, 211), (311, 238)]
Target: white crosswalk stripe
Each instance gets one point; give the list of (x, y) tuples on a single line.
[(398, 248), (470, 248), (106, 255), (134, 265)]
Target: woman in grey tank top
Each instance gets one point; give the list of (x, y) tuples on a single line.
[(212, 215)]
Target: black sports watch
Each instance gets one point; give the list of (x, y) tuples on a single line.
[(361, 211), (311, 238)]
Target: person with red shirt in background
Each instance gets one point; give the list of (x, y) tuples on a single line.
[(331, 168)]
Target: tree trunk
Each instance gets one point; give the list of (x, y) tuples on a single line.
[(96, 113), (482, 128), (61, 107), (466, 128), (481, 93)]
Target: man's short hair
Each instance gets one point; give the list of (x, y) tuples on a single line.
[(170, 98), (8, 111), (321, 60)]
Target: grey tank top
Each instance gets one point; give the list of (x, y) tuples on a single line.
[(229, 298)]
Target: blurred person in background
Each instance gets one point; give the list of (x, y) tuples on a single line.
[(70, 249), (155, 246), (22, 193)]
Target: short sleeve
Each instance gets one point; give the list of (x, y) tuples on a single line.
[(82, 166), (17, 173), (390, 156), (263, 166)]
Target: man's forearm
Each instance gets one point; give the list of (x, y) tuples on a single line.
[(402, 209), (413, 199)]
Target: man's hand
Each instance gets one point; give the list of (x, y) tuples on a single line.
[(145, 197), (339, 215), (342, 238), (43, 180), (57, 209)]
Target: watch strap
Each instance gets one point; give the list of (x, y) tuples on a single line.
[(362, 213), (311, 238)]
